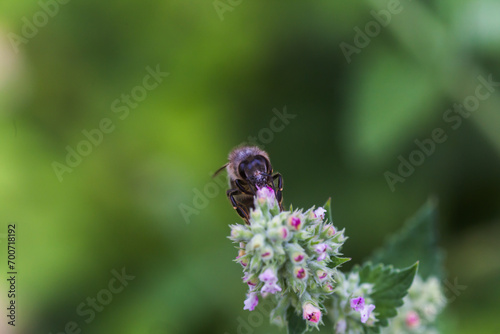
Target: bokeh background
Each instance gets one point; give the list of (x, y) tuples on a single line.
[(229, 68)]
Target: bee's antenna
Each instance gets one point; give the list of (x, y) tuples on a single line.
[(220, 170)]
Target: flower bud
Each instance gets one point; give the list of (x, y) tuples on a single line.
[(278, 234), (252, 281), (265, 195), (299, 273), (328, 287), (251, 301), (298, 257), (256, 242), (239, 233), (267, 253), (285, 234), (295, 223), (243, 260), (311, 313), (275, 222), (321, 274), (412, 320), (329, 230), (256, 214), (296, 253)]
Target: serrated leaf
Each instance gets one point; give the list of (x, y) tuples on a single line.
[(416, 241), (390, 286), (296, 325)]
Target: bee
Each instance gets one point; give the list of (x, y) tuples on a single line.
[(250, 169)]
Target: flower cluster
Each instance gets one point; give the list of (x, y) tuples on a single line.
[(289, 256), (425, 300), (351, 306)]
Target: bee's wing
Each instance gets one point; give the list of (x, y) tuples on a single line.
[(220, 170)]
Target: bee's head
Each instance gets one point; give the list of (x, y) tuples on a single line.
[(256, 170)]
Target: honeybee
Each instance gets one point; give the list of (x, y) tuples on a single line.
[(249, 169)]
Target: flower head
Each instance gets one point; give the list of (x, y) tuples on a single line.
[(251, 301), (311, 313), (279, 251)]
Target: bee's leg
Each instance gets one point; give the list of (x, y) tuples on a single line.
[(240, 209), (239, 184), (279, 191)]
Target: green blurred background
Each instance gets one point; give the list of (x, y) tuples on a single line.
[(121, 206)]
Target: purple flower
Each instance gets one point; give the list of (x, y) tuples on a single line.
[(365, 312), (251, 301), (269, 279), (270, 288), (268, 276), (358, 304), (321, 250), (319, 213)]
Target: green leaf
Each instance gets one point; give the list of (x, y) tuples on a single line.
[(390, 286), (328, 208), (337, 261), (296, 325), (416, 241)]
